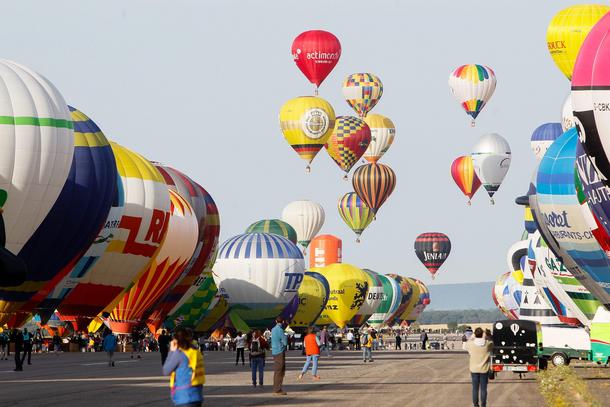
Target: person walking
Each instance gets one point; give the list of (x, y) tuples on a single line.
[(4, 345), (398, 341), (17, 339), (56, 343), (27, 346), (257, 346), (240, 345), (367, 346), (109, 346), (279, 343), (357, 339), (424, 339), (350, 340), (312, 350), (479, 350), (325, 340), (164, 340), (135, 343), (185, 367)]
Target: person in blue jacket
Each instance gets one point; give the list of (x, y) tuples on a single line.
[(184, 365), (109, 345), (279, 344)]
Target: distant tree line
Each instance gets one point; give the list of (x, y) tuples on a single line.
[(456, 317)]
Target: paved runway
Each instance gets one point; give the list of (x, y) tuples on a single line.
[(396, 378)]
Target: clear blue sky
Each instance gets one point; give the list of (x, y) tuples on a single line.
[(198, 85)]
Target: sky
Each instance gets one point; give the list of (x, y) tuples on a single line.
[(198, 85)]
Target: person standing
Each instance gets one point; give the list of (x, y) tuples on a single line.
[(109, 346), (164, 340), (350, 340), (479, 350), (56, 343), (357, 339), (373, 334), (325, 341), (4, 345), (38, 341), (27, 346), (398, 341), (257, 346), (424, 339), (367, 346), (135, 343), (185, 367), (279, 343), (312, 350), (17, 339), (240, 345)]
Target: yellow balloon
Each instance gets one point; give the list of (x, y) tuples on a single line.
[(313, 295), (349, 287), (567, 31), (413, 301), (307, 122)]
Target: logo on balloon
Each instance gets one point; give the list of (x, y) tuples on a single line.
[(315, 123), (293, 281), (556, 220)]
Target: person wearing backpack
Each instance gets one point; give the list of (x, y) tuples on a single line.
[(185, 367), (367, 345), (312, 350), (257, 347)]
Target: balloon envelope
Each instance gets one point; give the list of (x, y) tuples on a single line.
[(316, 52), (306, 217), (432, 249), (325, 250), (355, 213), (464, 176), (362, 91), (374, 183), (313, 295), (275, 226), (472, 86), (543, 137), (382, 136), (390, 301), (348, 142), (491, 160)]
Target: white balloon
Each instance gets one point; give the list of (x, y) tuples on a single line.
[(491, 159), (306, 217)]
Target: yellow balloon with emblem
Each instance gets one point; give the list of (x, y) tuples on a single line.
[(413, 301), (313, 295), (349, 287), (567, 31), (307, 122)]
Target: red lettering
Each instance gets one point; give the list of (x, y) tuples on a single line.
[(132, 224), (158, 226)]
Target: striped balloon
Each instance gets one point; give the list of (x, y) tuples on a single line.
[(464, 176), (348, 142), (362, 91), (355, 213), (275, 226), (432, 249), (472, 86), (374, 183)]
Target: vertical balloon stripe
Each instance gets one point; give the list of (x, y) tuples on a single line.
[(374, 183)]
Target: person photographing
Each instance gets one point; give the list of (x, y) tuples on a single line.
[(479, 350)]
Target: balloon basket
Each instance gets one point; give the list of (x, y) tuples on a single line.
[(345, 177), (315, 92), (491, 200), (308, 169), (469, 203), (357, 240), (472, 123)]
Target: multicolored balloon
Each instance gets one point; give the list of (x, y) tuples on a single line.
[(390, 301), (355, 213), (491, 160), (274, 226), (382, 136), (472, 86), (464, 176), (316, 52), (348, 142), (432, 249), (567, 32), (543, 137), (362, 91), (306, 217), (405, 295), (307, 122), (374, 183)]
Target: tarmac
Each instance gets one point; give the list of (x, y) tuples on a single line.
[(395, 378)]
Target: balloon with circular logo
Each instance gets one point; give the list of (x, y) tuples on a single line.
[(316, 52), (432, 249), (374, 183), (464, 176), (472, 86), (491, 160), (362, 91), (355, 213), (567, 32), (275, 226), (348, 142), (307, 122)]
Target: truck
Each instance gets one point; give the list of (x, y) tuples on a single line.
[(515, 346)]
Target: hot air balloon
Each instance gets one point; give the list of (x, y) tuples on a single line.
[(373, 299), (313, 295), (374, 184), (390, 302), (140, 232), (176, 250), (405, 295), (349, 287), (94, 170), (35, 169), (409, 309), (71, 225), (589, 96), (491, 160), (432, 249), (464, 176), (543, 137), (567, 219), (325, 250), (258, 274), (275, 226), (382, 136), (472, 86), (423, 300), (567, 114), (362, 91), (348, 142), (512, 292), (194, 308), (306, 217), (567, 31), (355, 213), (316, 52), (498, 295), (307, 122)]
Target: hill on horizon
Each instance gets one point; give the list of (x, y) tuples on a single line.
[(463, 296)]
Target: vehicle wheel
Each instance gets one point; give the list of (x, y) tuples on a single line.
[(559, 359)]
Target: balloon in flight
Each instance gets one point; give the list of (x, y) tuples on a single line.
[(316, 52), (382, 136), (472, 86), (374, 184), (348, 142), (355, 213), (362, 91), (306, 217), (275, 226), (464, 176), (491, 160), (432, 249)]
